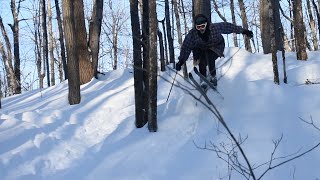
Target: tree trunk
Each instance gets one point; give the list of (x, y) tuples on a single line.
[(186, 28), (176, 12), (94, 34), (74, 96), (165, 41), (312, 27), (146, 59), (317, 13), (299, 30), (61, 40), (115, 45), (137, 65), (16, 47), (201, 7), (235, 39), (162, 63), (152, 113), (45, 39), (273, 43), (245, 24), (169, 35), (7, 59), (52, 75), (85, 65)]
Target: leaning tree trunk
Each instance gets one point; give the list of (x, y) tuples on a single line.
[(152, 113), (85, 65), (94, 34), (61, 40), (74, 96), (299, 30), (137, 65), (7, 59)]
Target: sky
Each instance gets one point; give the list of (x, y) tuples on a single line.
[(42, 137)]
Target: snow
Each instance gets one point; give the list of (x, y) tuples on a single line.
[(42, 137)]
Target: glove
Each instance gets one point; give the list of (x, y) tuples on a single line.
[(248, 33), (178, 65)]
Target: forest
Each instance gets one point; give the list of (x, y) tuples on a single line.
[(45, 42)]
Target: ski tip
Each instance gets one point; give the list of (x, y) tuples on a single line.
[(190, 74)]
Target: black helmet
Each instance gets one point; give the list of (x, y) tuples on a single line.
[(200, 19)]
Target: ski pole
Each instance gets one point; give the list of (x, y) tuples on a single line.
[(172, 85)]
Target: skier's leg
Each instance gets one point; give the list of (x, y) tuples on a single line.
[(203, 64), (212, 56)]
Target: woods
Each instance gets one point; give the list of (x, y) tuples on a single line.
[(89, 37)]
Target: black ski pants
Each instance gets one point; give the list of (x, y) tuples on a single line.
[(208, 57)]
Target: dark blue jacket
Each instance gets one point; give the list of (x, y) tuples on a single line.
[(193, 42)]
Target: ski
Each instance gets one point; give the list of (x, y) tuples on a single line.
[(207, 81), (199, 88)]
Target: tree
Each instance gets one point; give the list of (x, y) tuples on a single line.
[(7, 59), (113, 25), (299, 30), (61, 40), (312, 24), (16, 47), (94, 33), (265, 25), (245, 24), (52, 59), (152, 113), (69, 17), (85, 65), (169, 35), (45, 39), (201, 7), (137, 65), (271, 10)]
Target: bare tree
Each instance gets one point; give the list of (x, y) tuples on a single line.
[(94, 33), (312, 24), (72, 51), (45, 39), (235, 40), (176, 12), (7, 58), (152, 113), (61, 40), (137, 65), (169, 35), (271, 7), (113, 25), (52, 59), (299, 30), (85, 65), (245, 24)]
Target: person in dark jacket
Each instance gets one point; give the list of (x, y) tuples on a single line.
[(207, 44)]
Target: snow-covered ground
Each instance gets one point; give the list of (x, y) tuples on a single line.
[(42, 137)]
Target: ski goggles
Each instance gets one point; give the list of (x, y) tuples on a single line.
[(201, 26)]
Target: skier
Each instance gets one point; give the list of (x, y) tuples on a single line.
[(207, 44)]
